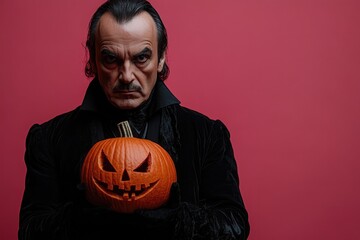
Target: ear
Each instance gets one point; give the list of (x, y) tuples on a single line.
[(161, 63)]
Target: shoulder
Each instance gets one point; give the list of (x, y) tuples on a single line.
[(197, 120), (61, 119), (53, 126), (188, 114)]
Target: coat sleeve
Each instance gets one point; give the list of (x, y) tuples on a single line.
[(221, 213), (40, 214)]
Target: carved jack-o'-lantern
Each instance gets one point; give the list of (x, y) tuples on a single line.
[(126, 174)]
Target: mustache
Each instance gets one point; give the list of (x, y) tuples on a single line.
[(126, 87)]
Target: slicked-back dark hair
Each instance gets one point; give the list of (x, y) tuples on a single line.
[(123, 11)]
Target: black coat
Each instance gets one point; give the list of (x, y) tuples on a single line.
[(208, 203)]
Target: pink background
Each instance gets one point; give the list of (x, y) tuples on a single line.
[(282, 74)]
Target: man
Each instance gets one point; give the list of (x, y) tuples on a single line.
[(127, 45)]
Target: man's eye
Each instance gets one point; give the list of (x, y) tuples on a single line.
[(109, 59), (142, 58)]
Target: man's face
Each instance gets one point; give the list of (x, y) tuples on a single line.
[(127, 60)]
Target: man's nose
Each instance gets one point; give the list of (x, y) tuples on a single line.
[(126, 72)]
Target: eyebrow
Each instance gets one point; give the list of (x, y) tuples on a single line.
[(107, 52), (146, 50)]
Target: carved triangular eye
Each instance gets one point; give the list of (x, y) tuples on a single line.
[(105, 163), (145, 165)]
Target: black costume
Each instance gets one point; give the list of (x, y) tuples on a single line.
[(208, 204)]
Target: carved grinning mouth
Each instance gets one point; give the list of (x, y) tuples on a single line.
[(132, 192)]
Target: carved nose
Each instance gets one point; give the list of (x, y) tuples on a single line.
[(125, 176)]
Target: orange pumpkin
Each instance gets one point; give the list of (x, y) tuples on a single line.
[(127, 173)]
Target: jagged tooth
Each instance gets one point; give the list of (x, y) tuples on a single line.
[(110, 186), (146, 185), (137, 187), (126, 196), (127, 186), (121, 186), (133, 196)]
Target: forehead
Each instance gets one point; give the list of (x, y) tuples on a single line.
[(141, 28)]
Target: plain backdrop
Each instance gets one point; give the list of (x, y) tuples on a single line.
[(283, 75)]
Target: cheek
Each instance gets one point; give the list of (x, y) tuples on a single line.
[(107, 83), (107, 77), (147, 76), (147, 82)]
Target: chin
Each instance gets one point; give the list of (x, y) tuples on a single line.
[(126, 104)]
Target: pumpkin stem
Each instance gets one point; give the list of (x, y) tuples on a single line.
[(124, 129)]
